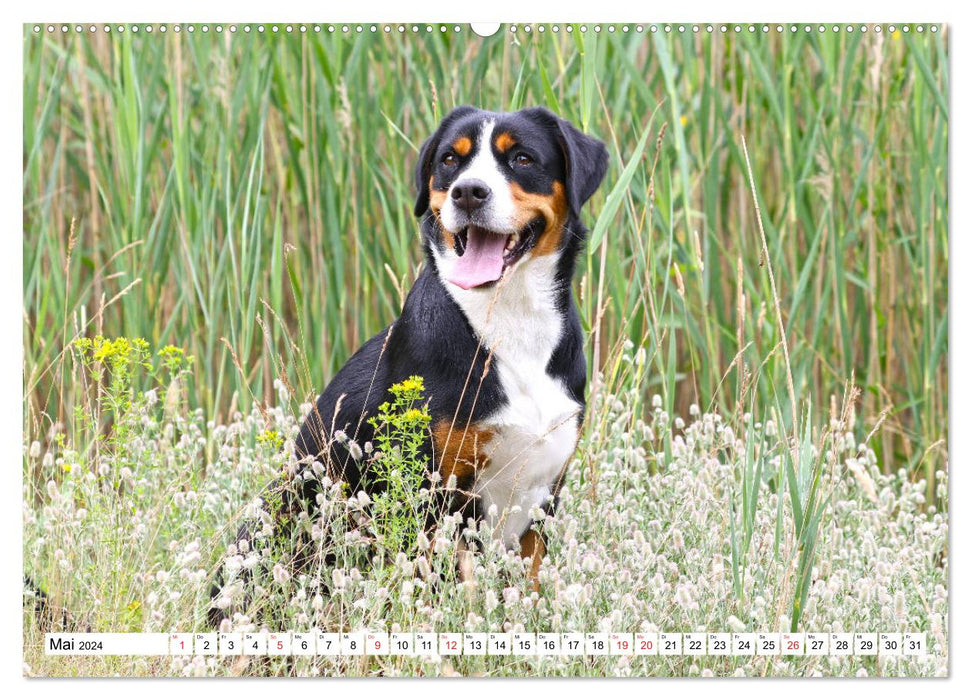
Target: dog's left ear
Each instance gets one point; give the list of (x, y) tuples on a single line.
[(586, 164), (423, 171)]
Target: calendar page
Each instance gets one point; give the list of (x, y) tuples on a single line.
[(498, 350)]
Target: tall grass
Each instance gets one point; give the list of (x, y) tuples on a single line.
[(248, 196)]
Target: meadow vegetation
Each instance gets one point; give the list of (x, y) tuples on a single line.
[(665, 524)]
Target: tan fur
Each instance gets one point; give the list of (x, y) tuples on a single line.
[(552, 207), (466, 566), (436, 200), (504, 142), (462, 145), (533, 545), (459, 451)]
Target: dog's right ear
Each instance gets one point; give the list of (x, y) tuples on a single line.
[(423, 171)]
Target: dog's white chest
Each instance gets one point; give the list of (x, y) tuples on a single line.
[(534, 435), (535, 432)]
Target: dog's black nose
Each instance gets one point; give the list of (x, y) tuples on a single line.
[(470, 194)]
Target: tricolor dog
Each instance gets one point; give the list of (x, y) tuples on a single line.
[(490, 324)]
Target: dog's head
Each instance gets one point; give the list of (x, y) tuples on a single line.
[(501, 188)]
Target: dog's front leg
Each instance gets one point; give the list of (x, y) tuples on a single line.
[(533, 545), (466, 562)]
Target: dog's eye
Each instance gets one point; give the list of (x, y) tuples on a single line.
[(522, 160), (450, 160)]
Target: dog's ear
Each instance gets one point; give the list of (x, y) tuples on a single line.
[(423, 170), (586, 164)]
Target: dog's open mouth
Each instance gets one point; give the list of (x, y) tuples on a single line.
[(485, 255)]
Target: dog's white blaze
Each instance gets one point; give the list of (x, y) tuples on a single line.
[(498, 214), (535, 433)]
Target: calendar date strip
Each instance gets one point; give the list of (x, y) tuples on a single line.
[(429, 644)]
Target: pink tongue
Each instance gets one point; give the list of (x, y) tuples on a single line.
[(482, 261)]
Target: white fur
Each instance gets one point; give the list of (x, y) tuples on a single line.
[(535, 433), (498, 214)]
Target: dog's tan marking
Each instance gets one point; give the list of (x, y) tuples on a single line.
[(533, 545), (466, 565), (436, 200), (504, 141), (462, 145), (458, 451), (552, 207)]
